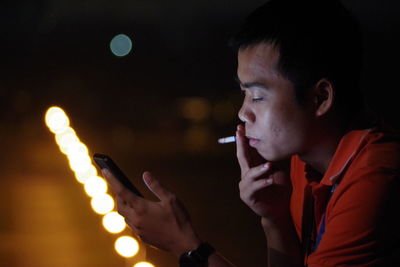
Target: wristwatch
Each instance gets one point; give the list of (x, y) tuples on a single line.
[(197, 257)]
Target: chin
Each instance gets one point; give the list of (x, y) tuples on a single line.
[(265, 155), (273, 158)]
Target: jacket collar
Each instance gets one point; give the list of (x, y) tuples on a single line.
[(348, 147)]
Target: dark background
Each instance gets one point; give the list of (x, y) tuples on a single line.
[(56, 52)]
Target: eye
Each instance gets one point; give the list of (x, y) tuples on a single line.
[(257, 99)]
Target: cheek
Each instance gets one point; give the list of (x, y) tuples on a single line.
[(273, 124), (276, 130), (281, 133)]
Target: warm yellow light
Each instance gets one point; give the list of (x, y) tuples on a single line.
[(66, 140), (95, 186), (77, 149), (80, 163), (66, 136), (113, 222), (196, 108), (102, 204), (83, 176), (126, 246), (56, 120), (143, 264)]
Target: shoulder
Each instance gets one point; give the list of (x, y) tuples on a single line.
[(373, 170), (360, 222), (380, 150)]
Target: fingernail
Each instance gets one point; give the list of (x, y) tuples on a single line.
[(269, 181), (147, 178), (266, 166)]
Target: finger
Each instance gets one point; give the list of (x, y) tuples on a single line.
[(256, 172), (242, 149), (119, 188), (135, 230), (154, 185), (248, 190), (112, 181), (262, 183), (122, 206), (129, 213)]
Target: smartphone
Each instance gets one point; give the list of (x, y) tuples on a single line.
[(105, 162)]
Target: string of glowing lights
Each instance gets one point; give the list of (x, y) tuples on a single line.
[(96, 187)]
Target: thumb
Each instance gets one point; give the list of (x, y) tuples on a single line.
[(154, 185)]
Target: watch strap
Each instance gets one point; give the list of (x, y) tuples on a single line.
[(197, 257)]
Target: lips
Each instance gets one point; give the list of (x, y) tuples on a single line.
[(253, 141)]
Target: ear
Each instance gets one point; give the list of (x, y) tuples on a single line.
[(323, 97)]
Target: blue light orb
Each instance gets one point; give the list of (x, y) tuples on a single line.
[(121, 45)]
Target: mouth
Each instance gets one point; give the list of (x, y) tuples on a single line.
[(253, 141)]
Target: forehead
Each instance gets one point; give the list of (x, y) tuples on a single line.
[(257, 62)]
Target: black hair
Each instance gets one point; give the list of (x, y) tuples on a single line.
[(316, 39)]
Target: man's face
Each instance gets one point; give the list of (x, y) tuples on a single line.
[(276, 125)]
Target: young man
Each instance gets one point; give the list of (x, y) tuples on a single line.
[(321, 173)]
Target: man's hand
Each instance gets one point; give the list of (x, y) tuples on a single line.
[(265, 186), (164, 224)]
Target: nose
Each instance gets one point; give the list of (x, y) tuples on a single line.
[(245, 114)]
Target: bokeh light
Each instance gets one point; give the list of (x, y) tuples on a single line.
[(77, 148), (95, 186), (143, 264), (66, 138), (102, 204), (86, 174), (67, 144), (56, 120), (79, 163), (126, 246), (121, 45), (196, 108), (113, 222)]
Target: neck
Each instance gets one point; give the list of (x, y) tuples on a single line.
[(325, 142), (323, 147)]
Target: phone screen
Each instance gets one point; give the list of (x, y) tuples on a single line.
[(105, 162)]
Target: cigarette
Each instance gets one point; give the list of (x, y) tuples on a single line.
[(225, 140)]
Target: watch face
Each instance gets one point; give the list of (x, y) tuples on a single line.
[(186, 261), (196, 258)]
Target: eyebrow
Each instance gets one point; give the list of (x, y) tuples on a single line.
[(250, 84)]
